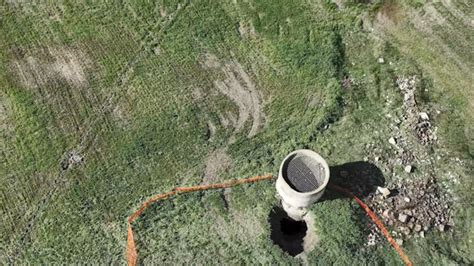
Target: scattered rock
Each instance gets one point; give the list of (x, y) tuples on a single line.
[(441, 227), (381, 60), (392, 141), (418, 121), (408, 168), (402, 217), (405, 230), (399, 241), (384, 191), (424, 116), (73, 158), (418, 206), (418, 228)]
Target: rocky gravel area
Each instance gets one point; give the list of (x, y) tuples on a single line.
[(411, 209), (415, 204)]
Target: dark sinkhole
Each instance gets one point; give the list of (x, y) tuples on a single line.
[(287, 233)]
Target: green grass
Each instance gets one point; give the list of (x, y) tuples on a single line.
[(297, 57)]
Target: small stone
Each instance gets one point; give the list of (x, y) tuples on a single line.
[(402, 217), (441, 227), (405, 230), (381, 60), (411, 225), (408, 168), (399, 241), (424, 116), (409, 212), (417, 228), (392, 141), (384, 191), (422, 234), (157, 50), (406, 199), (385, 213), (377, 158)]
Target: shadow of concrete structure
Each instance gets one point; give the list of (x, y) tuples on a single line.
[(287, 233), (361, 178)]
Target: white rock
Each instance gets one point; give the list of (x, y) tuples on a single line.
[(384, 191), (424, 116), (399, 241), (381, 60), (441, 228), (406, 199), (402, 217), (417, 228), (408, 168), (392, 141)]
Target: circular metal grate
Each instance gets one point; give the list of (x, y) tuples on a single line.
[(303, 173)]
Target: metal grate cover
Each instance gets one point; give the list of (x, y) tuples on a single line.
[(303, 173)]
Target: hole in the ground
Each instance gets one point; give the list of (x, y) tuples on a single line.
[(287, 233)]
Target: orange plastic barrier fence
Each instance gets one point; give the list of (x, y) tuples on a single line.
[(131, 251)]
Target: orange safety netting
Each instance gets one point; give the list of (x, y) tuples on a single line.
[(131, 251)]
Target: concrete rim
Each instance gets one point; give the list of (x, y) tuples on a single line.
[(319, 159)]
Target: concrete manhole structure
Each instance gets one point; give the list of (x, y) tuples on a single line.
[(302, 179)]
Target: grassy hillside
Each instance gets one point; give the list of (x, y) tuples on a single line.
[(105, 104)]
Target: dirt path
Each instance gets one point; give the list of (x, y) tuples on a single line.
[(52, 65), (216, 163)]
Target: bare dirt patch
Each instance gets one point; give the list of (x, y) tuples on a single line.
[(451, 7), (239, 88), (49, 66), (216, 164), (210, 61), (4, 114), (246, 29)]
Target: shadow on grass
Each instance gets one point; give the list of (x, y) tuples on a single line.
[(361, 178), (287, 233)]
